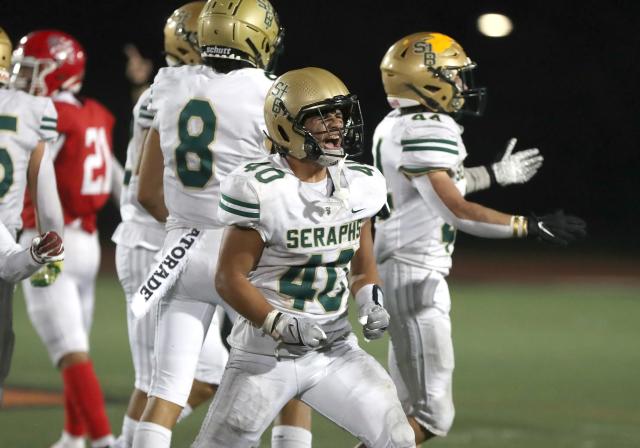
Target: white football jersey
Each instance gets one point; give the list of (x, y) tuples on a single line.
[(138, 227), (209, 123), (24, 121), (310, 236), (412, 145)]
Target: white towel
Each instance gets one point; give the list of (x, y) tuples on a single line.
[(164, 274)]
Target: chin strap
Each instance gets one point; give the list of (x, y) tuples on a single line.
[(341, 193)]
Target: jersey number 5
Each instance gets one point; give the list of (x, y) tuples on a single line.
[(196, 131), (6, 172)]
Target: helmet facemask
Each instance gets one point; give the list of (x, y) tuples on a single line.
[(279, 49), (467, 98), (27, 74), (336, 133)]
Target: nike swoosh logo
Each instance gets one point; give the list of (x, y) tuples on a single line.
[(545, 230), (353, 210)]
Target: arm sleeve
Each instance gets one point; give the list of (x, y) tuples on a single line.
[(427, 147), (49, 207), (478, 178), (476, 228), (16, 262), (239, 204)]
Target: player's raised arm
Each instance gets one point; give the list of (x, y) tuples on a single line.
[(151, 191), (512, 168), (439, 191)]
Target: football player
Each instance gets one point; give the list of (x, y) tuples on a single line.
[(139, 238), (299, 226), (27, 124), (208, 120), (419, 148), (51, 63)]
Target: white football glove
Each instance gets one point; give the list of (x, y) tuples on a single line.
[(373, 317), (47, 248), (295, 331), (517, 168)]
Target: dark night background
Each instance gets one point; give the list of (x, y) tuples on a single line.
[(564, 81)]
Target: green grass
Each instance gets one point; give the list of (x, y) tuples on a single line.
[(554, 365)]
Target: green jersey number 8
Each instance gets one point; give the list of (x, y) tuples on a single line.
[(196, 131)]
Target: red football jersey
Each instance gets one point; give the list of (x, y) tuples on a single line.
[(83, 165)]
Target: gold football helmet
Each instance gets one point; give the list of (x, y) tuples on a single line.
[(181, 35), (432, 70), (245, 30), (5, 57), (313, 93)]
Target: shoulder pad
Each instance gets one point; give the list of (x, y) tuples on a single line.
[(367, 189)]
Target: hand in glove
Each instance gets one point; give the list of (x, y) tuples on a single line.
[(47, 248), (373, 317), (556, 228), (292, 330), (517, 168)]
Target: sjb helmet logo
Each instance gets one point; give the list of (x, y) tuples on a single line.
[(279, 89), (426, 49), (268, 12)]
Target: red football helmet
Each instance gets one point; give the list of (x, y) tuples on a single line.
[(46, 62)]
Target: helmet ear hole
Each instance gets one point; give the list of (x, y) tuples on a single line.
[(283, 133), (432, 89)]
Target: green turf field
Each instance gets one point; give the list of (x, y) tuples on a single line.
[(537, 366)]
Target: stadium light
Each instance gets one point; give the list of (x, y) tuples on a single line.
[(495, 25)]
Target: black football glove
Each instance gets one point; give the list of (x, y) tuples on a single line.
[(556, 228)]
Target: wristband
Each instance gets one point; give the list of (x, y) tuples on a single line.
[(519, 226), (369, 293), (492, 174), (270, 322)]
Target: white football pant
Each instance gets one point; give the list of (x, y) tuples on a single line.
[(62, 312), (183, 318), (343, 382), (421, 349), (133, 265)]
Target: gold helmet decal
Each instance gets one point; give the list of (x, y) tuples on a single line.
[(181, 35), (432, 70), (245, 30), (5, 57), (312, 92)]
